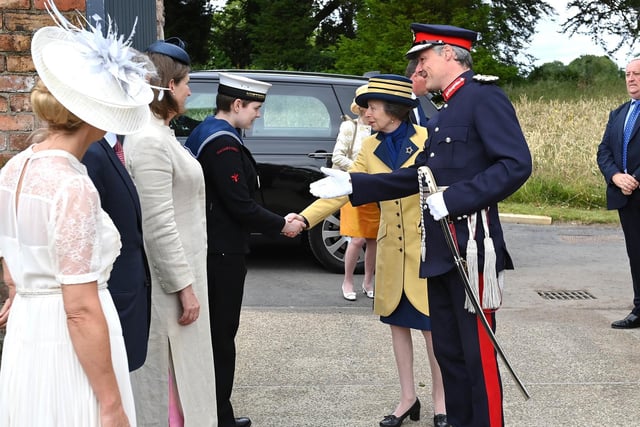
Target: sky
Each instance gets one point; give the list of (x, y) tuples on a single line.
[(549, 45)]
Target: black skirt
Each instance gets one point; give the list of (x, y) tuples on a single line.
[(407, 316)]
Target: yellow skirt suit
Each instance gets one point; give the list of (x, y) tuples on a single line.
[(398, 253)]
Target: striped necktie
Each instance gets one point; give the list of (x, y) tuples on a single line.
[(628, 127), (119, 151)]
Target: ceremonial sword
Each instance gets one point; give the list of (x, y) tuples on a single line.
[(425, 173)]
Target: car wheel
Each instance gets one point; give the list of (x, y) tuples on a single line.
[(328, 246)]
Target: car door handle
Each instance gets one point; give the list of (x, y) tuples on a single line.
[(320, 155)]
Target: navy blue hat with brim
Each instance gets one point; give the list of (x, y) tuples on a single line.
[(391, 88), (429, 35), (172, 47)]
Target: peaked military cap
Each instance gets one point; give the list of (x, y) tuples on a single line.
[(429, 35)]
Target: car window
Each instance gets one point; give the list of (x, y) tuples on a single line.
[(199, 105), (345, 95), (291, 110), (301, 111)]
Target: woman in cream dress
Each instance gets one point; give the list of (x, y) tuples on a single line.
[(177, 381), (359, 223)]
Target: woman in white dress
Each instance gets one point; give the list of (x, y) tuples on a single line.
[(64, 361)]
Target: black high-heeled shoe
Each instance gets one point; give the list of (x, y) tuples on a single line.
[(413, 413), (440, 420)]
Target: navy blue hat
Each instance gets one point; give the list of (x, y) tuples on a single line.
[(428, 35), (388, 87), (172, 47)]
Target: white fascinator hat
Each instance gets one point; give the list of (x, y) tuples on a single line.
[(95, 77)]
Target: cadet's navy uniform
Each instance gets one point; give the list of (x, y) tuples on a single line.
[(475, 146), (231, 181)]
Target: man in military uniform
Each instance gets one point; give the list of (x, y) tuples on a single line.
[(477, 151)]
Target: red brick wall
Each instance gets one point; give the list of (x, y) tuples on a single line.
[(19, 19)]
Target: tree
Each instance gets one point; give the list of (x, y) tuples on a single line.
[(280, 34), (383, 35), (602, 18), (230, 44), (551, 71), (341, 22), (591, 69), (191, 21), (585, 71), (356, 36), (284, 34)]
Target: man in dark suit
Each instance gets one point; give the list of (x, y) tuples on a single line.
[(476, 150), (419, 86), (619, 162), (129, 283)]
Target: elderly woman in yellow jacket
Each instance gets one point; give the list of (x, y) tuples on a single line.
[(400, 294)]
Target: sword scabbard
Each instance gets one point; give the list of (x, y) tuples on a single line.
[(427, 185)]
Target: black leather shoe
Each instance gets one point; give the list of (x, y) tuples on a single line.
[(393, 421), (243, 422), (629, 322), (440, 420)]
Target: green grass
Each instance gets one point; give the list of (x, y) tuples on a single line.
[(567, 90), (562, 214), (547, 190), (563, 123)]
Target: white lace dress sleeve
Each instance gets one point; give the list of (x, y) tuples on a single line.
[(75, 241)]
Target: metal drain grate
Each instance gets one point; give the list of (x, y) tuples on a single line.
[(565, 295)]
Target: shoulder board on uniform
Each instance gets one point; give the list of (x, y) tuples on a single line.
[(483, 78)]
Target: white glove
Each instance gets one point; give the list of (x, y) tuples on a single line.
[(337, 183), (437, 208)]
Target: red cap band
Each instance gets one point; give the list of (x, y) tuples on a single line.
[(421, 38)]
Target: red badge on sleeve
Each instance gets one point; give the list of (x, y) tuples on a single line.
[(235, 177), (228, 148)]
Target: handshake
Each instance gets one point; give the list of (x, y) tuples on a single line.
[(293, 225), (337, 183)]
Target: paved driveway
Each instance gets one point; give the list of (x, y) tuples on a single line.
[(306, 357)]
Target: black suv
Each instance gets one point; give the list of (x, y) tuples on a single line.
[(291, 140)]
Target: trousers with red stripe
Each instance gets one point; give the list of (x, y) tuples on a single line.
[(468, 361)]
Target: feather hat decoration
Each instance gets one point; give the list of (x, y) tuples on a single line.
[(99, 78)]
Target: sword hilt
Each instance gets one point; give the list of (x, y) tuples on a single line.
[(429, 186)]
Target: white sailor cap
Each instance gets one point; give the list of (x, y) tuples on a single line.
[(243, 87)]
